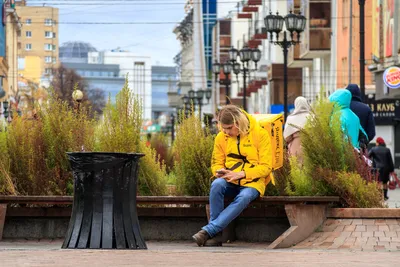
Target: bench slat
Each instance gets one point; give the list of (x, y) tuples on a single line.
[(168, 199)]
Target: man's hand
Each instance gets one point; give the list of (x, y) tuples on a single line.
[(231, 176)]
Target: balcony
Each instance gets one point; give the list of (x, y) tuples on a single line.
[(294, 60), (316, 38), (249, 9), (244, 16), (253, 86), (254, 2), (174, 99)]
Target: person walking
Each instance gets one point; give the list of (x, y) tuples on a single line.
[(349, 121), (242, 164), (363, 112), (382, 161), (294, 124)]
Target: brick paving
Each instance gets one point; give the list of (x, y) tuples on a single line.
[(356, 234), (47, 253)]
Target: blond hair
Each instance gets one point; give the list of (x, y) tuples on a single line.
[(231, 114)]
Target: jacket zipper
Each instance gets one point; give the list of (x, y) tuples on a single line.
[(238, 147)]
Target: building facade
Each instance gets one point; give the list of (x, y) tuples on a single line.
[(195, 33), (13, 29), (38, 39), (385, 56), (136, 69), (163, 79), (100, 76)]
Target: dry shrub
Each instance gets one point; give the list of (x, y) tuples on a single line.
[(119, 131), (36, 148), (193, 146), (160, 142)]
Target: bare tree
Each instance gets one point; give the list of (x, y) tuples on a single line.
[(63, 83), (97, 99)]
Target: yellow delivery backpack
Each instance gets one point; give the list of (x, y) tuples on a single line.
[(273, 123)]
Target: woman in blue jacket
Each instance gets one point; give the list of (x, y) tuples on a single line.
[(350, 122)]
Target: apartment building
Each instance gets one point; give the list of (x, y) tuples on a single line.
[(13, 28), (37, 42)]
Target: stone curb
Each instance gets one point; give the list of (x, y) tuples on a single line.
[(358, 213)]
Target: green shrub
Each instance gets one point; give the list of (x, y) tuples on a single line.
[(328, 159), (119, 131), (353, 189), (193, 162)]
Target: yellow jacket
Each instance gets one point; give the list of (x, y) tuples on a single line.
[(241, 154)]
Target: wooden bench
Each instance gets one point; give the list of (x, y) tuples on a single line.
[(305, 214)]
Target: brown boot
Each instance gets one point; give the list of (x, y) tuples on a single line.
[(201, 237), (216, 241)]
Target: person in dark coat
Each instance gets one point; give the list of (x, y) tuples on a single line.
[(382, 162), (363, 112)]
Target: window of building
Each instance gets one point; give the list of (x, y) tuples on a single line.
[(48, 34), (28, 47), (48, 22), (49, 47), (28, 21), (28, 34), (48, 71), (47, 59), (54, 60)]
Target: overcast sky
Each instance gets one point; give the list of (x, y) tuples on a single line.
[(156, 41)]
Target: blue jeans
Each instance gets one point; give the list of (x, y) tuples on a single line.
[(220, 217)]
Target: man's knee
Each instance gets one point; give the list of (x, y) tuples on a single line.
[(249, 194), (218, 184)]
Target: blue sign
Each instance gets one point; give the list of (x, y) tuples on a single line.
[(278, 109)]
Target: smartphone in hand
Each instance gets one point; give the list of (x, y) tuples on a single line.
[(221, 171)]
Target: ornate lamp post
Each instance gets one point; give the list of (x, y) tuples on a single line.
[(226, 69), (246, 55), (196, 97), (6, 112), (294, 24)]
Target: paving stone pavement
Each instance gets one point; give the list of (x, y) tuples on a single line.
[(358, 234), (46, 253), (394, 198)]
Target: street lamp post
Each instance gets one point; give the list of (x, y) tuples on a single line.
[(362, 47), (172, 127), (294, 24), (77, 95), (196, 98), (226, 69), (6, 112), (246, 55)]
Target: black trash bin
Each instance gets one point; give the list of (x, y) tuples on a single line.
[(104, 210)]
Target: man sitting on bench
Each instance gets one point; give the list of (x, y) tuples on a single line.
[(242, 163)]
